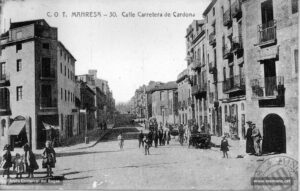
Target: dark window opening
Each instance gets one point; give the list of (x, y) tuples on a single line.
[(294, 6), (46, 46), (46, 98), (46, 68), (267, 13), (18, 47), (19, 65)]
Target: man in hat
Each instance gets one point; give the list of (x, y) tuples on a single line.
[(256, 139), (249, 139)]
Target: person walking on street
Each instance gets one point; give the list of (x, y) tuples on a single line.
[(30, 161), (49, 158), (249, 139), (224, 146), (121, 141), (256, 139), (155, 138), (150, 137), (160, 136), (147, 145), (141, 139), (6, 160)]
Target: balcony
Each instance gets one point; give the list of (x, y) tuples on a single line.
[(211, 97), (236, 10), (235, 83), (237, 43), (212, 67), (182, 75), (227, 21), (269, 91), (212, 38), (226, 51), (267, 33), (190, 101), (47, 104), (47, 75), (199, 89), (4, 80), (196, 65)]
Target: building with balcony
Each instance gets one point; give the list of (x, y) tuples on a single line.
[(185, 103), (196, 51), (226, 78), (164, 103), (36, 86), (271, 80)]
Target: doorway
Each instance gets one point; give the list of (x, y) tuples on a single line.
[(274, 138)]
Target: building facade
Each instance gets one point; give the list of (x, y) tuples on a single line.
[(271, 57), (35, 104), (164, 103), (196, 51)]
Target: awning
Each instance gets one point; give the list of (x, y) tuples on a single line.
[(16, 127), (48, 126)]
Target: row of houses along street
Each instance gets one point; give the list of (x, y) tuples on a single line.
[(241, 66), (41, 97)]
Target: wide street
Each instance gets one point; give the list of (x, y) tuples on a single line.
[(105, 166)]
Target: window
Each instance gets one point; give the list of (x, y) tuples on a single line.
[(224, 73), (213, 11), (61, 68), (3, 124), (19, 93), (62, 121), (60, 52), (19, 65), (68, 96), (296, 60), (68, 73), (294, 6), (18, 47), (61, 94), (160, 96), (46, 46), (46, 68), (65, 95), (65, 56), (65, 71)]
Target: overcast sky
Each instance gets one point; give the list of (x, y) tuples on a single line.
[(127, 52)]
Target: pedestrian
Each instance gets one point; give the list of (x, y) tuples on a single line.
[(49, 158), (249, 139), (224, 146), (30, 161), (160, 136), (256, 139), (168, 137), (6, 160), (147, 145), (155, 138), (150, 136), (164, 138), (18, 165), (181, 134), (141, 138), (121, 141)]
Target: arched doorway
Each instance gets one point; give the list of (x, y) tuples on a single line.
[(274, 139)]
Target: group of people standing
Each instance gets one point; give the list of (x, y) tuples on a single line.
[(157, 137), (27, 163), (253, 139)]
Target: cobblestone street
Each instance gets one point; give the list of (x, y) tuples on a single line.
[(104, 166)]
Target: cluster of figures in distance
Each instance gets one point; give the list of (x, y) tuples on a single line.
[(26, 163)]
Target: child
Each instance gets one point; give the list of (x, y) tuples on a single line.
[(6, 160), (30, 161), (224, 146), (19, 165), (121, 141), (147, 145)]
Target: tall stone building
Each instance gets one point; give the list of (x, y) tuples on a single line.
[(184, 96), (37, 85), (196, 51), (164, 103), (271, 57)]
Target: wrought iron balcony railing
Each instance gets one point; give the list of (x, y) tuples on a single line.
[(46, 102), (267, 33), (226, 51), (237, 43), (268, 87), (227, 21), (199, 88), (235, 83), (47, 74), (4, 80), (236, 10), (212, 38)]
